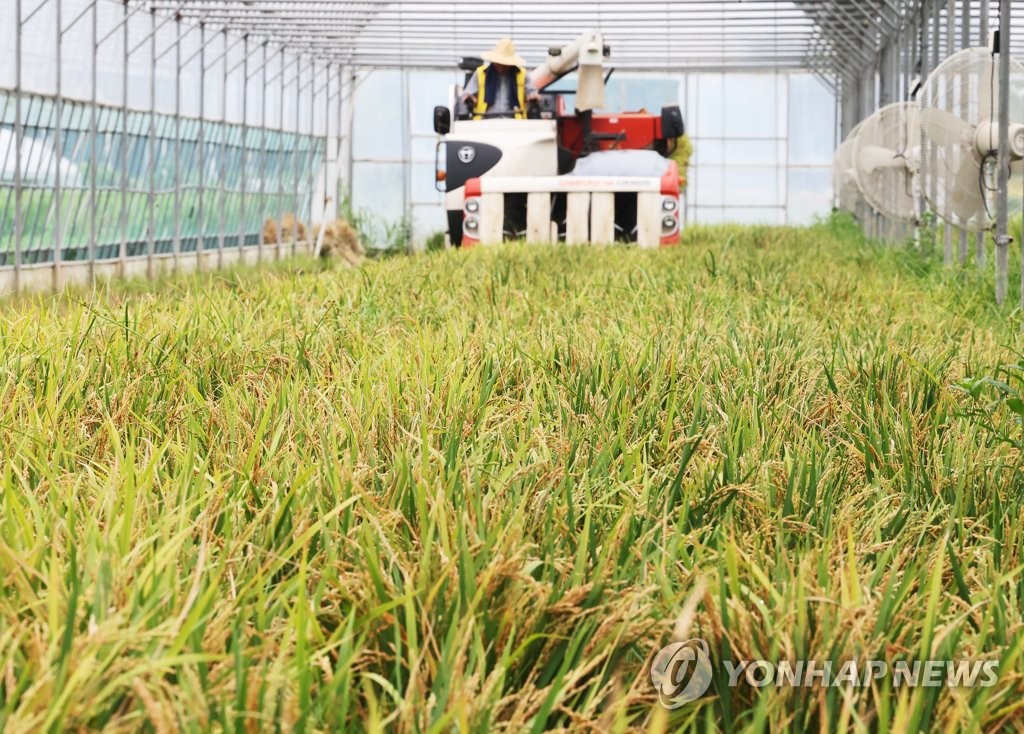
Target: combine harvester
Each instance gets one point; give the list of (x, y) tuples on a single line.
[(563, 172)]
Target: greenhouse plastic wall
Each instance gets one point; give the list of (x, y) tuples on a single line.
[(153, 144), (762, 145)]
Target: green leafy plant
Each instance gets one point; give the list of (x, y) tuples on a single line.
[(681, 154), (997, 403), (436, 242), (380, 237)]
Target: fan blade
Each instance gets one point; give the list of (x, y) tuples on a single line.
[(945, 128), (988, 92), (965, 198), (873, 157)]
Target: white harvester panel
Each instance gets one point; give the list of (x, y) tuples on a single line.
[(602, 216), (589, 209), (492, 215), (577, 216), (538, 217)]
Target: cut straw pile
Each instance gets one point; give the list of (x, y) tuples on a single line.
[(291, 228), (339, 239)]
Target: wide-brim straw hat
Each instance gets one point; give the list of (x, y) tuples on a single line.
[(504, 52)]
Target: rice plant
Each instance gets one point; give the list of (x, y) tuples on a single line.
[(478, 491)]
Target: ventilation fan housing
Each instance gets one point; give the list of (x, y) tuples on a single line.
[(960, 136), (885, 160)]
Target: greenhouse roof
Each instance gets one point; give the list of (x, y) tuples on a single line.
[(834, 38)]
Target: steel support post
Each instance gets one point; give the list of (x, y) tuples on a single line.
[(1003, 238), (222, 186), (328, 198), (310, 173), (981, 246), (885, 91), (845, 113), (279, 168), (76, 206), (201, 154), (947, 228), (866, 87), (295, 156), (19, 139), (914, 71), (929, 56), (264, 155), (885, 97), (338, 143), (350, 137), (965, 41), (122, 251), (176, 242), (151, 199), (407, 157), (58, 152), (243, 150), (93, 154)]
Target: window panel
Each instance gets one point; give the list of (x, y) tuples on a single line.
[(812, 121), (427, 89), (708, 183), (751, 152), (423, 149), (750, 106), (427, 219), (710, 112), (708, 152), (377, 127), (423, 190), (709, 215), (810, 194), (748, 186), (379, 190), (756, 215)]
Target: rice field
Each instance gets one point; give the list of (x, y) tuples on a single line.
[(477, 491)]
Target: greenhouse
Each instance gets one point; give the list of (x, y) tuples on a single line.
[(511, 366), (184, 126)]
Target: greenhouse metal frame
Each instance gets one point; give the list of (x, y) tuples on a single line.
[(250, 115)]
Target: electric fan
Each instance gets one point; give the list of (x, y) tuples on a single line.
[(885, 159), (960, 132)]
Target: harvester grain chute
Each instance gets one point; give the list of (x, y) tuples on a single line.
[(559, 170)]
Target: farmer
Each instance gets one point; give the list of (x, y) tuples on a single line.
[(503, 81)]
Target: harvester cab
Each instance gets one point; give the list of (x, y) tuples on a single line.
[(561, 171)]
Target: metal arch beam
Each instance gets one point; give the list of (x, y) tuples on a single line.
[(835, 37), (845, 29), (263, 17), (896, 21), (233, 15)]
